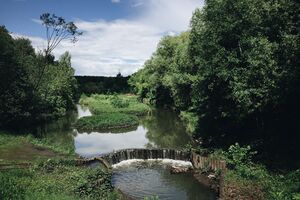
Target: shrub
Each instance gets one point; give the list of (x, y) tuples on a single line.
[(117, 102), (246, 177), (237, 155)]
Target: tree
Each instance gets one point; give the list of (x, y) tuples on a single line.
[(237, 69), (15, 89), (57, 30), (21, 101)]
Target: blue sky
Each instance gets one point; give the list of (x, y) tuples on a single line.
[(119, 35)]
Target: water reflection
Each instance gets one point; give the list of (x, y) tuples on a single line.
[(96, 143), (162, 129), (165, 129), (58, 133)]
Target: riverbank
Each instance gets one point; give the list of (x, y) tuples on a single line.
[(30, 169), (16, 149), (40, 181), (245, 179)]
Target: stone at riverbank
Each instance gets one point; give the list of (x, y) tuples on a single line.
[(178, 170)]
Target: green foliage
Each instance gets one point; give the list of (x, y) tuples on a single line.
[(237, 155), (237, 70), (117, 102), (167, 76), (41, 182), (22, 99), (16, 91), (106, 121), (245, 172), (102, 85), (66, 148), (28, 148), (128, 104)]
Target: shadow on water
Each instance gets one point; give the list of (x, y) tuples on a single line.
[(59, 133), (165, 129)]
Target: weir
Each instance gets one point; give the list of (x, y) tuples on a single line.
[(127, 154), (197, 161)]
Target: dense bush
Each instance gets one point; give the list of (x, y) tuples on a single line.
[(32, 87)]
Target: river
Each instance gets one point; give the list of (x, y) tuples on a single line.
[(137, 179)]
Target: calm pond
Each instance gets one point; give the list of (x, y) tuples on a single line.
[(137, 179)]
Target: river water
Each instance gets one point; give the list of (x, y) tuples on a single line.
[(162, 129), (137, 179)]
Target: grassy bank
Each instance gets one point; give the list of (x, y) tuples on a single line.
[(106, 121), (246, 179), (56, 179), (32, 168), (128, 104), (27, 147)]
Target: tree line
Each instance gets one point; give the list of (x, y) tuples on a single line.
[(102, 85), (30, 90), (235, 73)]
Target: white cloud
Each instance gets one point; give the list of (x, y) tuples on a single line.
[(115, 1), (137, 3), (107, 47), (169, 15)]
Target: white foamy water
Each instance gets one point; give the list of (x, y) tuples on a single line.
[(170, 162), (83, 111)]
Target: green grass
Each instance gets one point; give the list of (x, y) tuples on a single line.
[(128, 104), (106, 121), (53, 172), (250, 180), (10, 142), (56, 179)]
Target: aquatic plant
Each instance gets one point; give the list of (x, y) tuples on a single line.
[(106, 121)]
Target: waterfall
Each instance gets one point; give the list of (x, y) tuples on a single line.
[(127, 154)]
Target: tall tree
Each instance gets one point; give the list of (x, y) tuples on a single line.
[(57, 30), (15, 89)]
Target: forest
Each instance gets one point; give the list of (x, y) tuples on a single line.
[(234, 76)]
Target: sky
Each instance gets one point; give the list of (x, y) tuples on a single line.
[(118, 35)]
